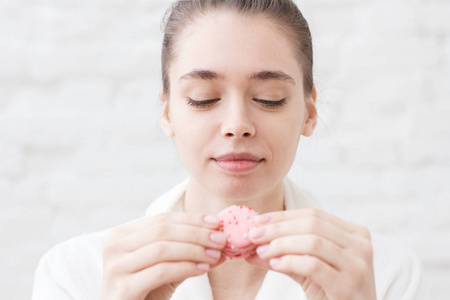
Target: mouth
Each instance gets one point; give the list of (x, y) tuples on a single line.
[(238, 162)]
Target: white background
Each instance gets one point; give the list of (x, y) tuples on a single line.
[(81, 149)]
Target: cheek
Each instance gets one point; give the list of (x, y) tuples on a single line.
[(192, 132), (288, 140), (286, 136)]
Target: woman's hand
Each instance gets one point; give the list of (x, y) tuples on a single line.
[(149, 258), (331, 258)]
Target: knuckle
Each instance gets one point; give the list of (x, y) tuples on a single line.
[(316, 245), (112, 269), (286, 214), (163, 273), (115, 233), (313, 266), (110, 249), (159, 271), (162, 230), (200, 237), (158, 250), (287, 261), (358, 268), (367, 250), (277, 245), (313, 225), (364, 232), (162, 217), (277, 227), (196, 218), (156, 275), (315, 213), (199, 253), (188, 268)]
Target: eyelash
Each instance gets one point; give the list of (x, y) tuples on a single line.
[(202, 103), (210, 102), (271, 104)]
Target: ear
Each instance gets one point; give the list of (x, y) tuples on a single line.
[(311, 119), (166, 124)]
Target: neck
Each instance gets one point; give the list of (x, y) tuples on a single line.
[(245, 286), (198, 199)]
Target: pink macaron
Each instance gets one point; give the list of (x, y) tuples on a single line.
[(236, 222)]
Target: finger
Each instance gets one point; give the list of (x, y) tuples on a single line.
[(165, 273), (312, 245), (257, 261), (305, 266), (300, 226), (173, 232), (164, 251), (219, 262), (208, 221), (280, 216)]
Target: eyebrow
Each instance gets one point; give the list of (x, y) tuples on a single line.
[(262, 75), (278, 75)]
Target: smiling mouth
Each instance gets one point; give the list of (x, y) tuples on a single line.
[(238, 162)]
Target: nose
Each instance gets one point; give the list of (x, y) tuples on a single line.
[(237, 122)]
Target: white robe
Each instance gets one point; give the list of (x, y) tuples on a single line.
[(73, 269)]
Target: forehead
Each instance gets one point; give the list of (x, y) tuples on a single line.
[(234, 44)]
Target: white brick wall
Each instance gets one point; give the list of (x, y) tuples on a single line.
[(81, 150)]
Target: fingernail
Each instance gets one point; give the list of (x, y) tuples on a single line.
[(211, 219), (218, 238), (212, 253), (261, 249), (203, 266), (257, 233), (274, 261), (262, 219)]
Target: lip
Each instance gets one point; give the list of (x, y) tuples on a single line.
[(236, 162)]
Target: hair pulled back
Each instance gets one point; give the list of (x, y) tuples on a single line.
[(283, 12)]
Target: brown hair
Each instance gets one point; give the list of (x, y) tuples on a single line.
[(283, 12)]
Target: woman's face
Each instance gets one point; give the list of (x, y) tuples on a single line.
[(237, 106)]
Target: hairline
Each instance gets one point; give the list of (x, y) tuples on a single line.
[(284, 29)]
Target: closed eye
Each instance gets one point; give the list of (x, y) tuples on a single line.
[(271, 103), (202, 103)]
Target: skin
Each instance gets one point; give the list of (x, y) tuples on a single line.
[(148, 259), (235, 123)]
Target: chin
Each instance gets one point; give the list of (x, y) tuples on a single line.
[(239, 189)]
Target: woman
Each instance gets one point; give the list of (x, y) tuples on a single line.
[(237, 95)]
